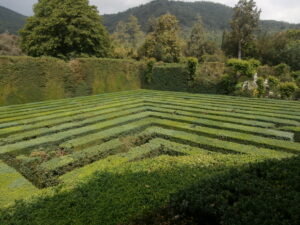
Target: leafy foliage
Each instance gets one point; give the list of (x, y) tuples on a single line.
[(65, 29), (192, 64), (287, 89), (244, 23), (163, 42), (282, 47), (245, 196), (243, 67), (9, 45), (128, 37)]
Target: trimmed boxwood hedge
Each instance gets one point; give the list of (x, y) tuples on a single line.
[(27, 79), (263, 193)]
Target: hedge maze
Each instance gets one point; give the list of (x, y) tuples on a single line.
[(41, 142)]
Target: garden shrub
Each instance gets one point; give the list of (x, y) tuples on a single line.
[(192, 64), (227, 84), (297, 94), (169, 76), (287, 90), (295, 74), (298, 82), (149, 69), (241, 68), (261, 90), (265, 71), (213, 58), (281, 70), (244, 196), (273, 83)]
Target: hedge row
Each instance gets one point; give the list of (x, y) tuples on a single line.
[(27, 79), (255, 194)]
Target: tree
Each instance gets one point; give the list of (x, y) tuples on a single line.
[(129, 32), (163, 42), (135, 34), (195, 45), (65, 29), (127, 38), (244, 23), (282, 47)]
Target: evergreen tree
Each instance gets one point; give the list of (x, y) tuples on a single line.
[(196, 42), (65, 29), (244, 23), (120, 33), (135, 35), (127, 38), (163, 42)]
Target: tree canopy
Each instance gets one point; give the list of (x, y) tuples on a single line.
[(163, 42), (244, 23), (65, 29)]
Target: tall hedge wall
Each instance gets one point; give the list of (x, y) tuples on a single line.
[(27, 79), (169, 77), (175, 77)]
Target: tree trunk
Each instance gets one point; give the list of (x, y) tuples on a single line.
[(240, 50)]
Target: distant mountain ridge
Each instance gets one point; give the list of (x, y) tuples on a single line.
[(215, 16), (10, 21)]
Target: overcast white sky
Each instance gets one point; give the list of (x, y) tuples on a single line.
[(284, 10)]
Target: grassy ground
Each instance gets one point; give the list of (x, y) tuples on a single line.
[(111, 158)]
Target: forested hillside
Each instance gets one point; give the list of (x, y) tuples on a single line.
[(215, 16), (10, 21)]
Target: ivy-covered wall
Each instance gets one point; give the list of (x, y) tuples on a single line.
[(27, 79)]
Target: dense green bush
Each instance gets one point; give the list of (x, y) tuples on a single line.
[(295, 74), (243, 67), (282, 70), (227, 84), (171, 77), (214, 58), (298, 82), (287, 90), (273, 83), (192, 64), (149, 70), (72, 33), (261, 90), (245, 196), (265, 71), (297, 94)]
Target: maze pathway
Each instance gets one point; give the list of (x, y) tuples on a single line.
[(42, 143)]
